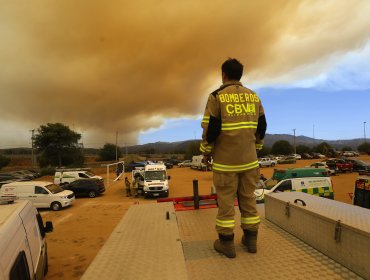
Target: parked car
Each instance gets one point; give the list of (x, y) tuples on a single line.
[(287, 160), (42, 194), (12, 177), (65, 176), (297, 156), (340, 165), (359, 165), (266, 162), (168, 165), (24, 174), (343, 165), (185, 163), (348, 154), (36, 174), (306, 156), (173, 161), (86, 187), (322, 164)]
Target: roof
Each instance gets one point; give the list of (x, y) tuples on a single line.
[(30, 183)]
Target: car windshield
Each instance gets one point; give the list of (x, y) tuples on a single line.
[(155, 175), (54, 188), (89, 174)]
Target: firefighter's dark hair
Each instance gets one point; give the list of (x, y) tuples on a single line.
[(233, 69)]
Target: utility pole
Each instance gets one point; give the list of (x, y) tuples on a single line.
[(116, 145), (32, 154), (295, 150), (364, 132), (313, 136)]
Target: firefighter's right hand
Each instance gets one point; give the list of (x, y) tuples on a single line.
[(207, 159)]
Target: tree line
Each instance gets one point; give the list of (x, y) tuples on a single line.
[(57, 145)]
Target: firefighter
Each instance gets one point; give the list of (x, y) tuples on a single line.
[(234, 126), (135, 185), (128, 185)]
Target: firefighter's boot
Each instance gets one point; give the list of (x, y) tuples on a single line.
[(225, 245), (249, 239)]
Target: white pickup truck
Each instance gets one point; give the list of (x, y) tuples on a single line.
[(266, 162)]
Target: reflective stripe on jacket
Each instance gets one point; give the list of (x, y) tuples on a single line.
[(234, 126)]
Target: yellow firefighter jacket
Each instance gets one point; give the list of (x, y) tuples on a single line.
[(234, 126)]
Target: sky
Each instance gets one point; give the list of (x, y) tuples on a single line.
[(143, 69)]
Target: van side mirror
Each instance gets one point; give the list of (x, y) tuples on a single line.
[(169, 177), (49, 226)]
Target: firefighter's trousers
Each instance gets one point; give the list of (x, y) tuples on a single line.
[(228, 187)]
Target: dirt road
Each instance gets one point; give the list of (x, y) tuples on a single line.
[(81, 230)]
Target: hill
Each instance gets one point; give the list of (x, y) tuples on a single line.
[(182, 146)]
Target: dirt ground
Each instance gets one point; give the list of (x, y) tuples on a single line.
[(81, 230)]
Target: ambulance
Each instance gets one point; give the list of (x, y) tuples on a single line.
[(320, 186), (155, 180)]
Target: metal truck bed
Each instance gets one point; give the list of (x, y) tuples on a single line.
[(148, 245)]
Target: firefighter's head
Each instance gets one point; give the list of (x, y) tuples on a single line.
[(232, 70)]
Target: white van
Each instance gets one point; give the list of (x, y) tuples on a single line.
[(22, 241), (320, 186), (65, 176), (197, 163), (42, 194)]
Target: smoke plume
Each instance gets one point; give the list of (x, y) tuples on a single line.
[(128, 65)]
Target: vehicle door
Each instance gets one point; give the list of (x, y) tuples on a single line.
[(41, 197), (77, 187), (35, 240), (84, 186)]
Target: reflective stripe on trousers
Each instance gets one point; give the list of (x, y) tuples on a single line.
[(250, 220), (225, 223)]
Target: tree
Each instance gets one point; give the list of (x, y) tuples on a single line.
[(323, 148), (364, 148), (192, 149), (347, 148), (264, 151), (4, 161), (108, 152), (282, 147), (58, 145), (301, 149)]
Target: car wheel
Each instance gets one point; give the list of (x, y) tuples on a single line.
[(92, 194), (56, 206)]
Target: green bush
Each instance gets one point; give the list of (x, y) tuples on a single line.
[(47, 171), (4, 161)]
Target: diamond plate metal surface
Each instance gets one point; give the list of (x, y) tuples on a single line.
[(316, 224), (353, 216), (280, 255), (144, 245)]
